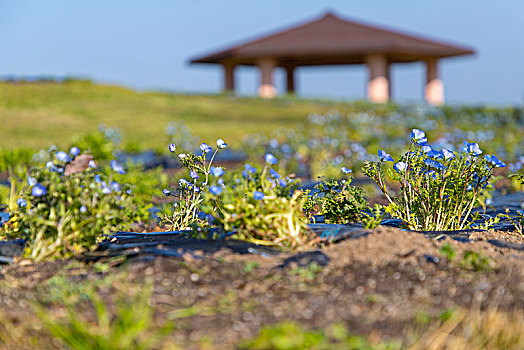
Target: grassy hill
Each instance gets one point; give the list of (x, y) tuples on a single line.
[(34, 115)]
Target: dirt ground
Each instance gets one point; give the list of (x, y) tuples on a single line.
[(378, 286)]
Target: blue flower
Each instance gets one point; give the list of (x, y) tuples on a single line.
[(221, 182), (31, 181), (61, 156), (172, 148), (274, 173), (83, 209), (97, 178), (196, 189), (115, 186), (217, 171), (258, 195), (74, 151), (400, 167), (91, 164), (419, 136), (345, 170), (182, 156), (205, 148), (38, 190), (183, 182), (427, 149), (221, 144), (215, 190), (493, 159), (433, 163), (21, 202), (447, 154), (105, 188), (166, 192), (270, 159), (117, 167), (210, 219), (471, 148), (193, 174), (282, 183), (384, 156), (50, 165), (249, 168)]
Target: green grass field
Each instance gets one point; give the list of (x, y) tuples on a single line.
[(35, 115)]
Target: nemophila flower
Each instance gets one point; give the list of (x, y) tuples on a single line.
[(221, 182), (83, 209), (97, 178), (205, 148), (193, 174), (74, 151), (400, 167), (50, 165), (166, 192), (221, 144), (493, 159), (433, 163), (427, 149), (115, 186), (61, 156), (183, 182), (215, 190), (274, 174), (31, 181), (92, 164), (117, 167), (282, 183), (489, 201), (210, 219), (196, 189), (249, 168), (447, 154), (105, 189), (38, 190), (419, 136), (258, 195), (182, 156), (471, 148), (216, 171), (384, 156), (270, 159), (172, 148), (21, 202), (345, 170)]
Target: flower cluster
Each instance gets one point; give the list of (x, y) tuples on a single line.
[(67, 204), (438, 187)]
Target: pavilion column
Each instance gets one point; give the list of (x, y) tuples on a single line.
[(378, 84), (229, 77), (266, 88), (434, 89), (290, 79)]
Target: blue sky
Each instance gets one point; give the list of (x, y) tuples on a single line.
[(147, 44)]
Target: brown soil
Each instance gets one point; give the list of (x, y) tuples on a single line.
[(375, 285)]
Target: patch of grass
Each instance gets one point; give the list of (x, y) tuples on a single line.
[(291, 335), (309, 272), (35, 115)]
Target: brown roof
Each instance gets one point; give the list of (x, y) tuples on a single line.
[(334, 40)]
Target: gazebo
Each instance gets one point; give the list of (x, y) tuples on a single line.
[(331, 40)]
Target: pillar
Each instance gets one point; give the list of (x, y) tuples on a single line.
[(434, 88), (229, 77), (378, 84), (266, 88), (290, 79)]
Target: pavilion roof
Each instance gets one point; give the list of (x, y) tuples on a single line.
[(334, 40)]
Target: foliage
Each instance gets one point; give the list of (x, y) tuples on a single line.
[(374, 218), (260, 207), (62, 214), (477, 262), (102, 144), (448, 251), (11, 158), (127, 325), (438, 188), (517, 220), (337, 201), (290, 335)]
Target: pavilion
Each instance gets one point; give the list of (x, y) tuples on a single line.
[(331, 40)]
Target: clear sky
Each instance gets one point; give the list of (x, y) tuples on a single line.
[(147, 44)]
